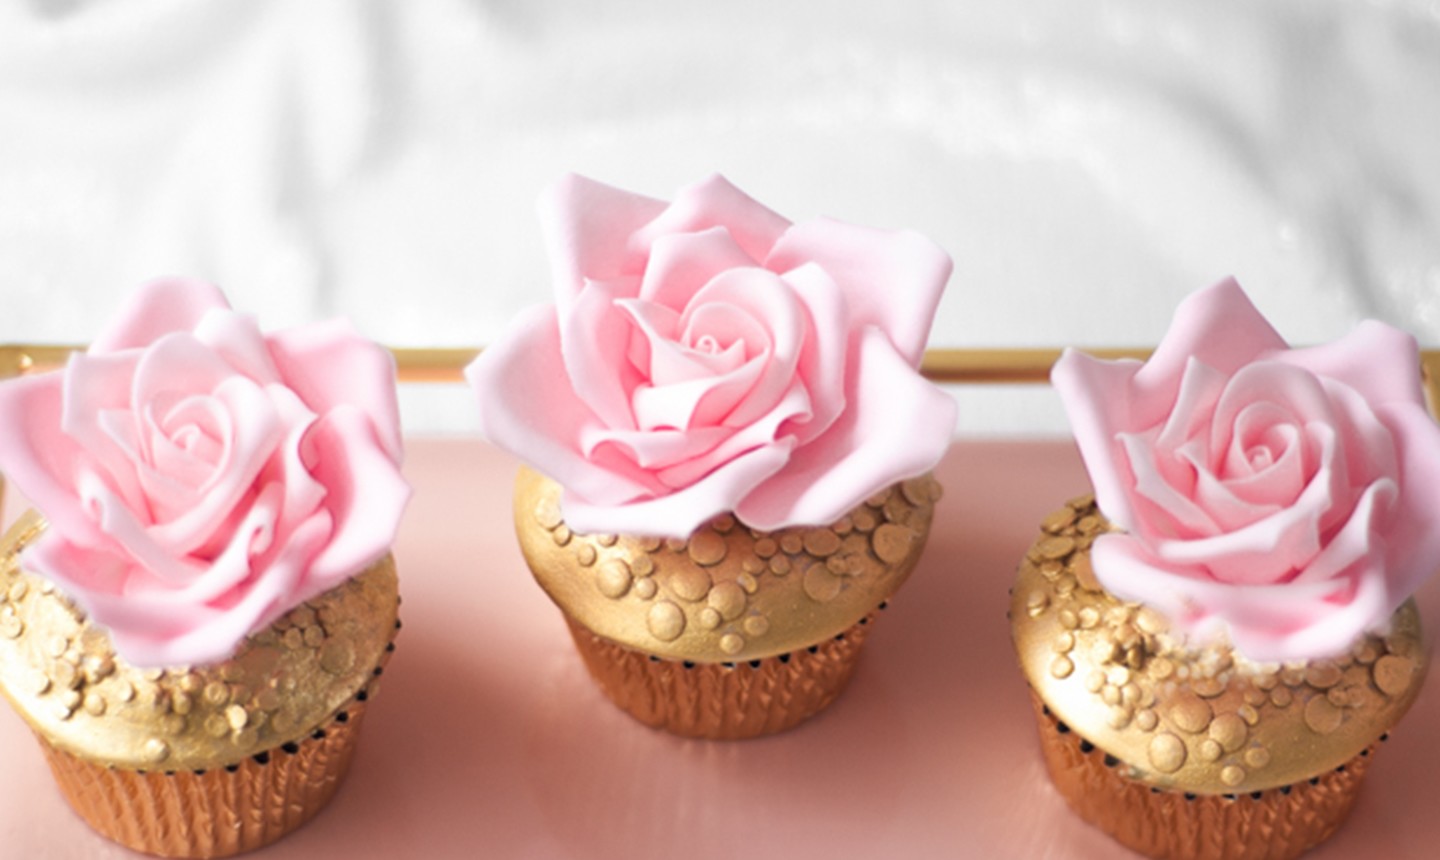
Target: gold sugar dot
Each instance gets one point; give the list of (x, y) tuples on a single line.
[(314, 636), (821, 542), (747, 583), (666, 621), (94, 704), (844, 526), (642, 565), (779, 565), (586, 554), (791, 543), (1190, 713), (1257, 757), (124, 691), (1281, 697), (707, 549), (728, 599), (18, 589), (1089, 617), (181, 703), (723, 523), (1322, 716), (1208, 688), (1084, 572), (1392, 674), (732, 643), (690, 584), (216, 726), (821, 585), (1232, 775), (675, 544), (1147, 720), (766, 547), (645, 588), (1095, 681), (1151, 621), (1209, 750), (1166, 752), (649, 543), (547, 513), (1057, 520), (562, 535), (337, 656), (236, 716), (1118, 717), (1064, 643), (1323, 676), (891, 542), (1229, 730), (155, 750), (864, 521), (607, 539), (1056, 547), (613, 578), (757, 625), (1068, 619), (1110, 694), (708, 618), (1062, 666), (247, 737), (293, 639), (1248, 714)]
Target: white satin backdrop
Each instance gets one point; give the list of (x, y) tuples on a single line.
[(1087, 163)]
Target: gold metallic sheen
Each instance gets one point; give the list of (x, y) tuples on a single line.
[(817, 597), (273, 691), (1274, 726)]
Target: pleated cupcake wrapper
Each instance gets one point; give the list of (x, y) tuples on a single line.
[(212, 813), (723, 700), (1274, 824)]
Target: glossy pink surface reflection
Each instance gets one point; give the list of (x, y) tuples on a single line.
[(489, 739)]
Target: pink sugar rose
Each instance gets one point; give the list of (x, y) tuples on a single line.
[(200, 478), (706, 355), (1289, 498)]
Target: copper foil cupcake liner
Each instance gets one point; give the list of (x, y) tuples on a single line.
[(1274, 824), (212, 813), (723, 701)]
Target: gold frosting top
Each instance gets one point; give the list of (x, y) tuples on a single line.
[(1205, 721), (64, 679), (727, 593)]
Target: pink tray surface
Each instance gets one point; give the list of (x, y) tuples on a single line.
[(488, 739)]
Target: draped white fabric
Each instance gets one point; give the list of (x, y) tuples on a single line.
[(1086, 163)]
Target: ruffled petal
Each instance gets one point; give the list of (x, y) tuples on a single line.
[(892, 279), (158, 308), (1095, 394), (527, 407), (595, 344), (1379, 361), (331, 365), (714, 202), (682, 263), (679, 512), (587, 227), (897, 426), (364, 495)]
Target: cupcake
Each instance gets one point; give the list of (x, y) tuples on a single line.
[(1218, 640), (194, 615), (730, 445)]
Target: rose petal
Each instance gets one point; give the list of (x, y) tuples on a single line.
[(43, 463), (896, 427), (714, 202), (1356, 359), (655, 449), (1095, 394), (892, 279), (331, 365), (682, 263), (823, 359), (765, 431), (364, 495), (156, 309), (678, 513), (1413, 540), (587, 228), (595, 342), (1218, 327), (545, 430), (237, 340)]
